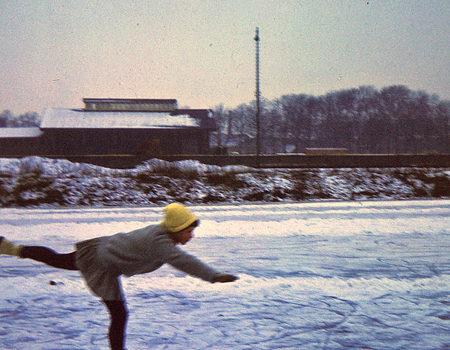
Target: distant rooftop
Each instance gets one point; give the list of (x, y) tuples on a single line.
[(83, 119), (123, 105), (115, 113), (9, 133)]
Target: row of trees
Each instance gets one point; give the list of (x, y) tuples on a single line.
[(394, 119), (9, 120)]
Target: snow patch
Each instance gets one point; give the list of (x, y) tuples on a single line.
[(34, 181)]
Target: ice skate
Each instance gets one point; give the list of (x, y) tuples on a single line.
[(8, 248)]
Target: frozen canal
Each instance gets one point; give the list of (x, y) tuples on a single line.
[(335, 275)]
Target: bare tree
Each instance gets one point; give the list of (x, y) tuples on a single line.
[(392, 120)]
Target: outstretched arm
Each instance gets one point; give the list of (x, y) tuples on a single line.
[(168, 253)]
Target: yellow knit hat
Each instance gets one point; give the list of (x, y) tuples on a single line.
[(177, 217)]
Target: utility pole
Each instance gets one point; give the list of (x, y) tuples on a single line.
[(257, 95)]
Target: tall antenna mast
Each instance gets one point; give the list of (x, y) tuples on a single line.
[(257, 95)]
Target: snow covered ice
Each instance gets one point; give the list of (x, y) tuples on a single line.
[(323, 275)]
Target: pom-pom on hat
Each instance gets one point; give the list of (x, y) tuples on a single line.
[(177, 217)]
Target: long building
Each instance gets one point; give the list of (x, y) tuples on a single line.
[(139, 127)]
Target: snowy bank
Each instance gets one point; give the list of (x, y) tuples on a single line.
[(35, 181)]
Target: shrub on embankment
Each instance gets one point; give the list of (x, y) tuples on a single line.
[(35, 181)]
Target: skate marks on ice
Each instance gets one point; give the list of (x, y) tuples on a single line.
[(44, 323), (261, 314), (294, 313), (370, 275)]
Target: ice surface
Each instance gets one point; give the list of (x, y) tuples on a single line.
[(328, 275)]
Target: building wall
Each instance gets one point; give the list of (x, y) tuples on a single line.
[(78, 142), (20, 146), (141, 142)]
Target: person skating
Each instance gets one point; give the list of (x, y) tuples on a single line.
[(103, 260)]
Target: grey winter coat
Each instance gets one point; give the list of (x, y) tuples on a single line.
[(102, 260)]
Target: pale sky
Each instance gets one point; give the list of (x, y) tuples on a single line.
[(202, 53)]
